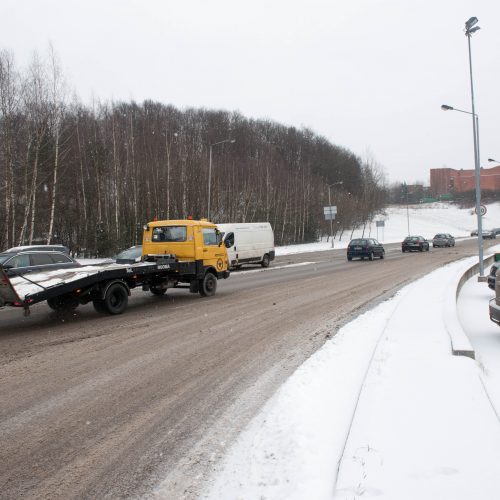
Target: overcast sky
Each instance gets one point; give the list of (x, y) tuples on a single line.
[(369, 75)]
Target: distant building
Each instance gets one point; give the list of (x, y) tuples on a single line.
[(449, 180)]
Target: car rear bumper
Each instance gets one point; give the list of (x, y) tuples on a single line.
[(409, 248), (359, 253)]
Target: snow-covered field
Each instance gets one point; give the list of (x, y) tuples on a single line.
[(384, 409), (424, 220)]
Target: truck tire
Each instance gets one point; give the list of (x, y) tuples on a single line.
[(158, 291), (265, 261), (208, 285), (116, 299)]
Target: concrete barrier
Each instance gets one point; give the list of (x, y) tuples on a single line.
[(460, 344)]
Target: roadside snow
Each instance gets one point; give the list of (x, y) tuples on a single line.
[(423, 426), (425, 220)]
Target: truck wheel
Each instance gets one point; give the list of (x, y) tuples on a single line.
[(265, 261), (158, 291), (116, 299), (208, 285)]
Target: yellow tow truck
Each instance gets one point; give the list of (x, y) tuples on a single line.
[(176, 253)]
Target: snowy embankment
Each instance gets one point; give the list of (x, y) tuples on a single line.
[(383, 409), (424, 220)]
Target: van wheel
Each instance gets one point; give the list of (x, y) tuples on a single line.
[(265, 261), (116, 299), (349, 258), (208, 285), (382, 255), (370, 257)]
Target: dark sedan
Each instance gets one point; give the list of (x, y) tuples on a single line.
[(492, 277), (415, 243), (23, 262), (488, 234), (443, 240), (365, 247), (130, 255)]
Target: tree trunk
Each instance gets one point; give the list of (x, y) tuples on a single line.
[(54, 184)]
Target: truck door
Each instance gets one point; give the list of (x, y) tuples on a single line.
[(231, 248), (213, 254)]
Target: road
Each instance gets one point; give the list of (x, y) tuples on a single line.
[(95, 406)]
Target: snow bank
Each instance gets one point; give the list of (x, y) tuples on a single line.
[(422, 426)]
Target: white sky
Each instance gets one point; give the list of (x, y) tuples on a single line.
[(368, 75)]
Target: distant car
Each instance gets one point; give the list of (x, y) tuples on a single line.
[(488, 234), (130, 255), (443, 240), (39, 248), (492, 277), (496, 230), (24, 262), (415, 243), (365, 247), (475, 232), (495, 302)]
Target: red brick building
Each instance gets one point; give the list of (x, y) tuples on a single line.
[(449, 180)]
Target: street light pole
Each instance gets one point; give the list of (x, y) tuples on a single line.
[(470, 27), (231, 141), (477, 180), (330, 204)]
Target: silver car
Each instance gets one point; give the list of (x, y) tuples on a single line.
[(443, 240)]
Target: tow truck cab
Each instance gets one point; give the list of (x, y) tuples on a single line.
[(188, 240)]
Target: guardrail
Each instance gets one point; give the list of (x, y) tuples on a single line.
[(460, 344)]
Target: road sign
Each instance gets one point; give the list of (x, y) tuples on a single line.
[(379, 223), (329, 216), (330, 210), (482, 210)]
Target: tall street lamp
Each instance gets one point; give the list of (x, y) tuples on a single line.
[(477, 178), (470, 28), (231, 141), (330, 204)]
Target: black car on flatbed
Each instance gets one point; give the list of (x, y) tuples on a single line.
[(365, 247), (18, 262)]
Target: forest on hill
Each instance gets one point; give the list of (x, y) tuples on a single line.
[(90, 176)]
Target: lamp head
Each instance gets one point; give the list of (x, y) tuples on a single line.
[(445, 107), (471, 22)]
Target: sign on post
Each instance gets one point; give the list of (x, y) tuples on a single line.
[(380, 223), (330, 212)]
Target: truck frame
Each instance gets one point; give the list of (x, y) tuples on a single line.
[(108, 286)]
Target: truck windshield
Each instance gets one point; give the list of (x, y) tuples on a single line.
[(169, 233)]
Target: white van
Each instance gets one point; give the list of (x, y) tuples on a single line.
[(248, 243)]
